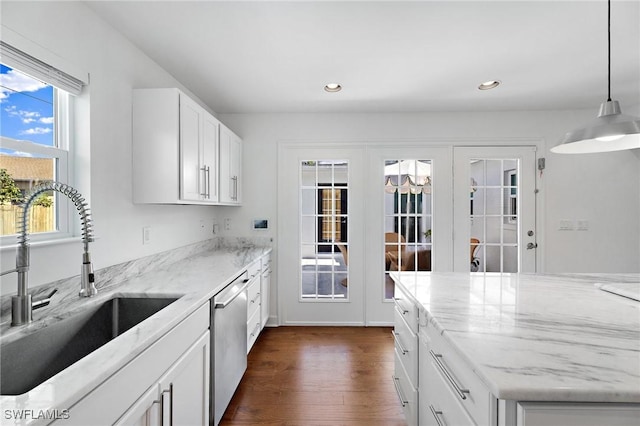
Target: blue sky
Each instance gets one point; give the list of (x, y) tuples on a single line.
[(26, 107)]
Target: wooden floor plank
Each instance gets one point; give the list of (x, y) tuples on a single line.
[(318, 376)]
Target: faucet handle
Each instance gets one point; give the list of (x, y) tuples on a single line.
[(41, 303)]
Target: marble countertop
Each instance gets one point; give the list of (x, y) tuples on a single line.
[(537, 337), (194, 278)]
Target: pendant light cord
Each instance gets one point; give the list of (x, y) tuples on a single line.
[(609, 50)]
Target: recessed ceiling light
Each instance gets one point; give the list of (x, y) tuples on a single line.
[(333, 87), (489, 84)]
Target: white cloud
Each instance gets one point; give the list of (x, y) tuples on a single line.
[(17, 82), (37, 131), (21, 154), (27, 116)]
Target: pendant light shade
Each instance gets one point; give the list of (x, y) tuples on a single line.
[(611, 131)]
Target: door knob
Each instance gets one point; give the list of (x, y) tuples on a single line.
[(532, 246)]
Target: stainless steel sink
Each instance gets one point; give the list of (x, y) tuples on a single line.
[(34, 358)]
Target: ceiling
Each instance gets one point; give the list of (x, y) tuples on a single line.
[(416, 56)]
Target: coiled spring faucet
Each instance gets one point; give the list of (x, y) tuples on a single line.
[(21, 304)]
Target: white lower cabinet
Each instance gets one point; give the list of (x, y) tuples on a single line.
[(442, 389), (406, 358), (265, 289), (181, 395), (258, 298), (169, 379), (253, 304)]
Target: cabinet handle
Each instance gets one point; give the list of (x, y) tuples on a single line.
[(398, 342), (256, 298), (396, 383), (234, 181), (436, 415), (203, 169), (255, 329), (170, 392), (208, 181), (459, 389)]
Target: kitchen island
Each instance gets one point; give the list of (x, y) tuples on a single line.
[(192, 274), (527, 342)]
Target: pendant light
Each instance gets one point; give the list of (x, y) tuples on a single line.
[(611, 131)]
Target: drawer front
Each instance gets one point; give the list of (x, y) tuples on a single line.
[(266, 262), (253, 329), (406, 344), (254, 269), (463, 383), (439, 404), (407, 308), (407, 394), (253, 298)]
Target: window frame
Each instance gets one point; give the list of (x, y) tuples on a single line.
[(62, 153)]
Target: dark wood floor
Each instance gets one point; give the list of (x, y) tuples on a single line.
[(318, 376)]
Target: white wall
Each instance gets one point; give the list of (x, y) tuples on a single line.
[(601, 188), (74, 33)]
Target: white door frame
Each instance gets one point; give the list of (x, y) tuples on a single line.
[(380, 311), (292, 309), (373, 310), (527, 201)]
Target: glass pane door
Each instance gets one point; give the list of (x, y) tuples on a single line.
[(407, 217), (494, 209), (324, 250)]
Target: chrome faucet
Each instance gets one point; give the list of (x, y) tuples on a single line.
[(21, 304)]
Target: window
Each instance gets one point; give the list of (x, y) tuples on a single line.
[(494, 219), (408, 217), (324, 230), (34, 142)]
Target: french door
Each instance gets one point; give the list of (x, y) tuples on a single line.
[(494, 209), (320, 236), (348, 216)]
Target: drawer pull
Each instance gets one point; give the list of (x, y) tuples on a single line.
[(459, 389), (402, 310), (396, 383), (398, 342), (436, 415)]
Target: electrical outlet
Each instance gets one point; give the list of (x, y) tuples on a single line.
[(227, 224), (146, 235)]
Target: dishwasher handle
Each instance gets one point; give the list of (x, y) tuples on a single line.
[(225, 303)]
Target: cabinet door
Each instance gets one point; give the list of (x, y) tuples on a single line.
[(209, 167), (236, 166), (184, 389), (265, 284), (230, 167), (190, 140), (144, 411)]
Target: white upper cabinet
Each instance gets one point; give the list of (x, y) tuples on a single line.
[(230, 167), (177, 155)]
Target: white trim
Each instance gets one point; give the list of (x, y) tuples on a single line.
[(42, 54)]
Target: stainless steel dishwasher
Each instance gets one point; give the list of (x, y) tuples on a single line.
[(228, 343)]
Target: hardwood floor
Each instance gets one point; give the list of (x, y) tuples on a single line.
[(318, 376)]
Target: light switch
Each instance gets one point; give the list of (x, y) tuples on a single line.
[(583, 225), (146, 235), (566, 225)]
